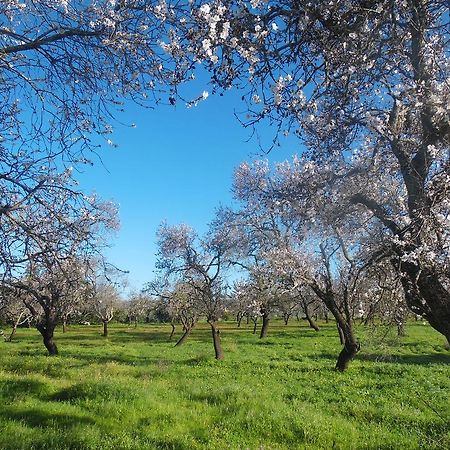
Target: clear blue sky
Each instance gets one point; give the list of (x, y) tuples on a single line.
[(176, 165)]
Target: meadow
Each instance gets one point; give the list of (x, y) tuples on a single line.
[(134, 390)]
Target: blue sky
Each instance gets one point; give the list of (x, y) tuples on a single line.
[(176, 165)]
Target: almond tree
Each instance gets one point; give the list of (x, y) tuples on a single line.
[(365, 87), (104, 302), (50, 253), (14, 311), (200, 263)]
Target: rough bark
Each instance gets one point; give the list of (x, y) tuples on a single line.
[(105, 328), (187, 332), (216, 340), (310, 320), (172, 332), (341, 335), (265, 325), (47, 331), (351, 346)]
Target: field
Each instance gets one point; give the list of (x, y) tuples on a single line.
[(134, 390)]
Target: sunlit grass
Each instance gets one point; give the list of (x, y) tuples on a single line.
[(134, 390)]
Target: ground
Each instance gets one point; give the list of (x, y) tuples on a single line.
[(134, 390)]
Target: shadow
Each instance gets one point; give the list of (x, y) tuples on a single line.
[(34, 417), (92, 391), (13, 389), (424, 359), (197, 360)]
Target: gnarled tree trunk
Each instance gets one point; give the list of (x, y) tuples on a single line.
[(47, 331)]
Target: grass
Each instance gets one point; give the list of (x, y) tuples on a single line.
[(134, 390)]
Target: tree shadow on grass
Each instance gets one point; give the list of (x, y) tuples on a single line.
[(13, 389), (35, 417), (423, 359)]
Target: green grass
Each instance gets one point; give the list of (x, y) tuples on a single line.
[(134, 390)]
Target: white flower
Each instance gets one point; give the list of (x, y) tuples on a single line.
[(274, 26), (205, 9), (205, 95)]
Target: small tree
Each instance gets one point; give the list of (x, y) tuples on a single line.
[(199, 263)]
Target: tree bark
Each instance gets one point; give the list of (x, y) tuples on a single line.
[(425, 295), (172, 332), (341, 335), (265, 325), (351, 346), (187, 332), (47, 331), (216, 340), (105, 328), (255, 324), (13, 333), (64, 326), (310, 320)]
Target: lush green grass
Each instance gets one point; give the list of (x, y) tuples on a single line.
[(134, 390)]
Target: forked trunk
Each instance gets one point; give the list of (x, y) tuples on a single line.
[(47, 331), (265, 326), (105, 328), (216, 340), (187, 332)]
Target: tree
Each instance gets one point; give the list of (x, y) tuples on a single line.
[(14, 311), (200, 263), (365, 86), (105, 302), (52, 246)]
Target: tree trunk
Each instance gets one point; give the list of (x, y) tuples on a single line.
[(286, 318), (425, 295), (187, 332), (265, 326), (341, 335), (105, 328), (64, 326), (347, 354), (216, 340), (239, 318), (351, 345), (310, 320), (13, 333), (172, 332), (255, 324), (47, 331)]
